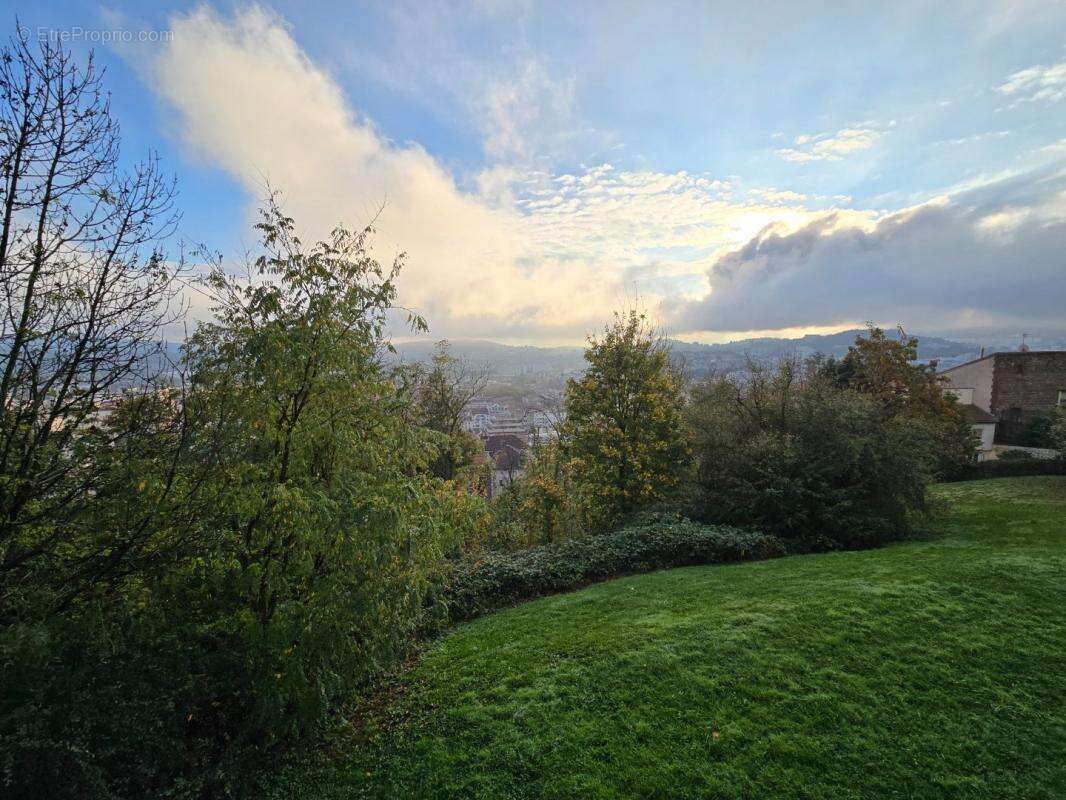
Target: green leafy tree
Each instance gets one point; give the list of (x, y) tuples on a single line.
[(623, 435), (541, 505), (289, 542), (192, 575), (329, 528), (888, 371)]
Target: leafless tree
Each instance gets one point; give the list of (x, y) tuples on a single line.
[(85, 290), (441, 391), (445, 388)]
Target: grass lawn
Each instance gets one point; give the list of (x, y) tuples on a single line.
[(933, 669)]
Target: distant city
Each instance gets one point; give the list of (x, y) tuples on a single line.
[(521, 403)]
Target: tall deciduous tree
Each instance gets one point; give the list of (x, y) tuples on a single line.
[(328, 526), (85, 292), (623, 430)]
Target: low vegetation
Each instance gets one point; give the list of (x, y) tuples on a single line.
[(485, 581), (929, 669), (1010, 468)]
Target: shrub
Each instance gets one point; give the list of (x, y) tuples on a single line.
[(547, 503), (1038, 432), (812, 462), (112, 708), (1010, 469), (887, 370), (1015, 455), (652, 541)]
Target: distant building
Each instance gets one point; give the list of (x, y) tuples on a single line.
[(507, 455), (478, 416), (1011, 388), (544, 424), (984, 427), (522, 417), (508, 425)]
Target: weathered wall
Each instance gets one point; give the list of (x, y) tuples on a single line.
[(1025, 385), (964, 397), (977, 375), (986, 433), (1029, 381)]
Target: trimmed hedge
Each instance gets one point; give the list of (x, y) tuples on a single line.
[(654, 541), (1010, 468)]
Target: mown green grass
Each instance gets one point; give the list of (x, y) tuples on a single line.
[(932, 669)]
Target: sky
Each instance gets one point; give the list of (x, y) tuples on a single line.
[(733, 169)]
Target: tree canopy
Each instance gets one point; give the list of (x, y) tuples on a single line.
[(623, 434)]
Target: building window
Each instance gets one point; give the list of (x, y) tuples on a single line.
[(1062, 397)]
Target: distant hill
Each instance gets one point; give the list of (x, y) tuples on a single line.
[(702, 358), (502, 359), (509, 360), (832, 344)]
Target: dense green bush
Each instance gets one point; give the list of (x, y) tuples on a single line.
[(1009, 469), (1038, 431), (652, 541), (116, 707), (817, 464)]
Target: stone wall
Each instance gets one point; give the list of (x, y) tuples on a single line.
[(1024, 386)]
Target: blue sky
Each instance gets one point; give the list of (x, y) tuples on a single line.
[(737, 168)]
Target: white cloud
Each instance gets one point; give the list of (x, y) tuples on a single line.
[(831, 146), (250, 101), (1046, 84), (974, 138), (524, 255), (1055, 148), (516, 114), (523, 108), (772, 195)]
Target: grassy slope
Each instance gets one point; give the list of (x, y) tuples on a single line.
[(928, 669)]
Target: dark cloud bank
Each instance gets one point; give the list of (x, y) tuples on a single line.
[(990, 256)]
